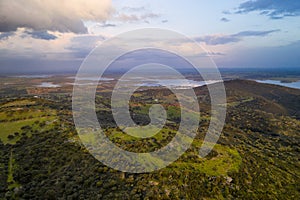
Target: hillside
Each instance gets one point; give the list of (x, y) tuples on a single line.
[(276, 97), (257, 156)]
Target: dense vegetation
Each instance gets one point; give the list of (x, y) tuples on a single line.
[(257, 156)]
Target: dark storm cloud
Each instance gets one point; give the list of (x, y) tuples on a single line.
[(275, 9)]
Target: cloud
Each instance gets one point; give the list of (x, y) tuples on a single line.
[(108, 25), (54, 15), (255, 33), (135, 18), (218, 39), (81, 46), (134, 9), (149, 16), (6, 35), (34, 44), (142, 56), (44, 35), (216, 54), (164, 21), (209, 54), (276, 56), (224, 19), (135, 14), (275, 9), (22, 53), (226, 12), (233, 38), (127, 17)]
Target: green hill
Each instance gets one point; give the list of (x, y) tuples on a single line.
[(257, 155)]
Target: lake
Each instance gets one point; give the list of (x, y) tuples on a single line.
[(176, 83), (295, 85), (48, 84)]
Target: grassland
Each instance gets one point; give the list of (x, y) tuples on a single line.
[(221, 161), (18, 116), (10, 176), (17, 103)]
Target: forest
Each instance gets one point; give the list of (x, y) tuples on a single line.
[(257, 155)]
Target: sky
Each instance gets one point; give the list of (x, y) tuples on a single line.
[(56, 36)]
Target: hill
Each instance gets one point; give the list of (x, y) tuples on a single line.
[(257, 155)]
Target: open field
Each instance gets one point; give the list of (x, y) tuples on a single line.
[(18, 120)]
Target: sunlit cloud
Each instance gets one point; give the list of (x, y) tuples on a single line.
[(54, 15)]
